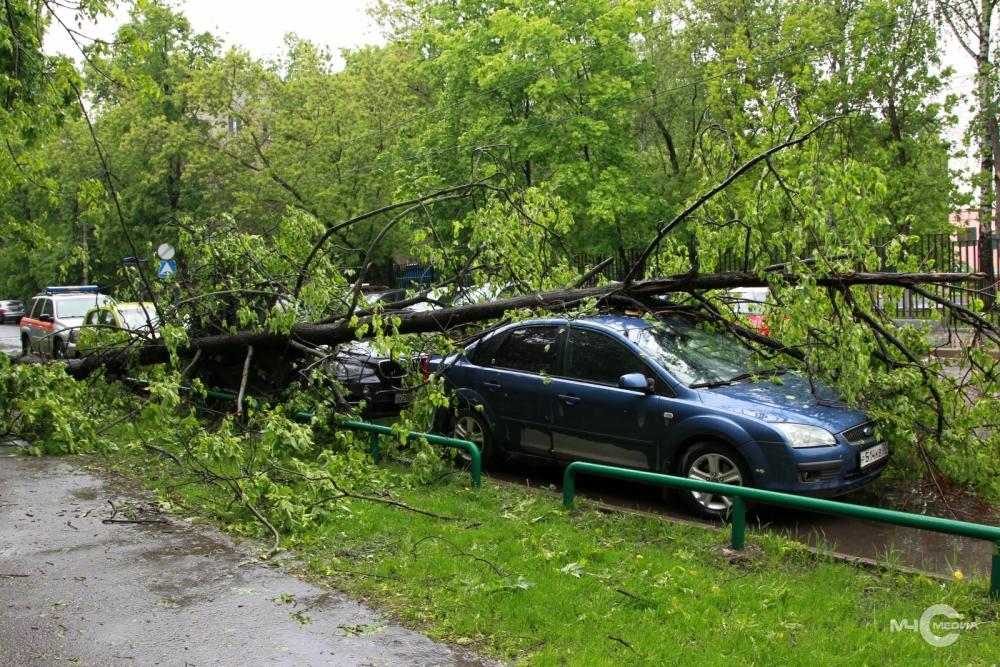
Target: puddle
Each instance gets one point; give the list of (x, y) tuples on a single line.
[(89, 493), (895, 545), (194, 544)]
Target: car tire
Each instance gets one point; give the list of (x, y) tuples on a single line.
[(58, 349), (25, 344), (712, 462), (471, 425)]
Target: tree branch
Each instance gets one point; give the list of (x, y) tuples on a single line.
[(698, 203)]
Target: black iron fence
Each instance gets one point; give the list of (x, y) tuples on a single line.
[(954, 253)]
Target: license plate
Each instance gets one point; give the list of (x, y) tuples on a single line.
[(874, 454), (402, 398)]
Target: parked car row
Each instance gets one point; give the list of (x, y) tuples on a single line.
[(11, 310), (52, 322), (666, 395)]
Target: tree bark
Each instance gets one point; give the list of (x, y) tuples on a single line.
[(987, 155), (669, 141)]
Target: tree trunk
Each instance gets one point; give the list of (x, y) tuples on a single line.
[(987, 146), (335, 333), (669, 141)]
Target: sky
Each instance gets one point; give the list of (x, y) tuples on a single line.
[(257, 25)]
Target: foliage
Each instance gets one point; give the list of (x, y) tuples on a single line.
[(624, 111), (53, 413), (582, 127)]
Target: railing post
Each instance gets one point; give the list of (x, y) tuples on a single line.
[(738, 514), (373, 438), (569, 486), (477, 467), (995, 572)]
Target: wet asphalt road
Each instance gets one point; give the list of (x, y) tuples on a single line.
[(74, 590)]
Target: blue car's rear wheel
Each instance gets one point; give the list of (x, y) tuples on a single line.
[(712, 462), (470, 425)]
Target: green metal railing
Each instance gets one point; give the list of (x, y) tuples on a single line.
[(741, 494), (377, 429)]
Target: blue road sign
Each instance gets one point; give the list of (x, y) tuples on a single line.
[(168, 268)]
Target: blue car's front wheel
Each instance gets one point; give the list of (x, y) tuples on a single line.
[(712, 462)]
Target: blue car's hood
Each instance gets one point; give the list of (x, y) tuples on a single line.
[(790, 401)]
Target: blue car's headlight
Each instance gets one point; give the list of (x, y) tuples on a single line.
[(801, 435)]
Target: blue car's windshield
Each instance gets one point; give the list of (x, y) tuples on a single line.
[(695, 356)]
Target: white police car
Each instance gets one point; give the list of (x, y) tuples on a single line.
[(53, 315)]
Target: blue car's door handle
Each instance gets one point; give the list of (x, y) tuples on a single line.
[(492, 386), (569, 399)]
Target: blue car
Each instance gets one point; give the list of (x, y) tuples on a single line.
[(666, 395)]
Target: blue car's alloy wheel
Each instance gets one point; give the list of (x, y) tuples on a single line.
[(711, 462), (470, 425)]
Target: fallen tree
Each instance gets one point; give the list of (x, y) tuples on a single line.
[(254, 309), (442, 320)]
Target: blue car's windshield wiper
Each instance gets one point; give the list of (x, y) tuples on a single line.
[(738, 378), (717, 383)]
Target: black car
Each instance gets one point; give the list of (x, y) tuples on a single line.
[(370, 378), (11, 310)]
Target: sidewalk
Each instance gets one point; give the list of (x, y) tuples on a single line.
[(77, 591)]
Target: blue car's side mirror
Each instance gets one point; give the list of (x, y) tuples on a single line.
[(636, 382)]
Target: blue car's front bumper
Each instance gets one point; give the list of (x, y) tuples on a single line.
[(824, 472)]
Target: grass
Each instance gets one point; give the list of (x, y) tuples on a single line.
[(516, 577)]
